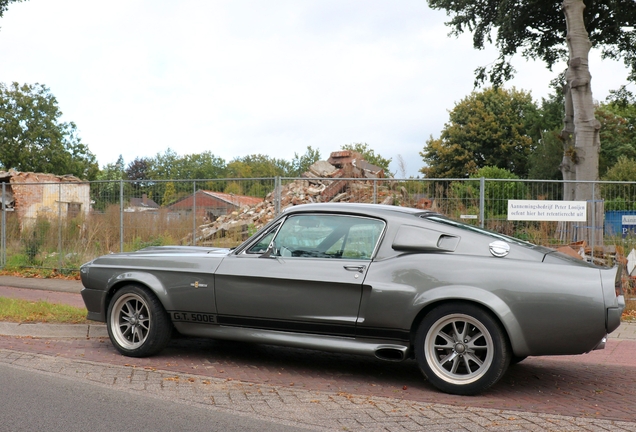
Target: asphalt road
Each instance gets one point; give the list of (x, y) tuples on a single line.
[(304, 388), (32, 401)]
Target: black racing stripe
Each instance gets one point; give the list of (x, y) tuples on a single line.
[(289, 326), (383, 333), (315, 328)]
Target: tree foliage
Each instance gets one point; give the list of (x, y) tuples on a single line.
[(537, 30), (4, 5), (256, 166), (139, 169), (301, 163), (488, 128), (369, 155), (33, 138), (620, 196), (545, 159)]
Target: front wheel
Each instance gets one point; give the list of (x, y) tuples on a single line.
[(461, 349), (137, 323)]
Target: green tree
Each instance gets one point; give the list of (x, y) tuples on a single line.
[(256, 166), (620, 196), (32, 138), (139, 169), (106, 191), (171, 166), (197, 166), (545, 160), (551, 31), (4, 5), (301, 163), (165, 166), (488, 128), (169, 194), (497, 193), (617, 117), (618, 137), (369, 155)]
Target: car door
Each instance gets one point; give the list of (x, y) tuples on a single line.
[(304, 275)]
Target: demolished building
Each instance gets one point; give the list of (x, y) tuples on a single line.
[(33, 195), (344, 177)]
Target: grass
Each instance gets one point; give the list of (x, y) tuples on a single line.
[(25, 311)]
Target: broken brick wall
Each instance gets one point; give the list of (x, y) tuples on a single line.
[(47, 195)]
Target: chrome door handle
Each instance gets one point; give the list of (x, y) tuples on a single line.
[(359, 268)]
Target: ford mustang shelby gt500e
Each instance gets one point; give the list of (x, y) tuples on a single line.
[(391, 282)]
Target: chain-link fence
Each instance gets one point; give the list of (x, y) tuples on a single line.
[(62, 225)]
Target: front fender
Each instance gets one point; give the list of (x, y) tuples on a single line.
[(149, 280)]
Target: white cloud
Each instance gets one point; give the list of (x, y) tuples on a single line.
[(242, 77)]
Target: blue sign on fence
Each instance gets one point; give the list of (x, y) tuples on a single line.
[(628, 225)]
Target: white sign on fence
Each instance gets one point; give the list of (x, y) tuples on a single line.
[(543, 210)]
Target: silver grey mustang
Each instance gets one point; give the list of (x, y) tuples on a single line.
[(385, 281)]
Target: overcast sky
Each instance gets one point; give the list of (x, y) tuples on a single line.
[(240, 77)]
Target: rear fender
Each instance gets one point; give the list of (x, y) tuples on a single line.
[(486, 299)]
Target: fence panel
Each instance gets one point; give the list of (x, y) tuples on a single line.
[(61, 225)]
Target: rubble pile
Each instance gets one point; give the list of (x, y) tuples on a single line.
[(325, 181)]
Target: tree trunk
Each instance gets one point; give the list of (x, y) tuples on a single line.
[(587, 143), (567, 136)]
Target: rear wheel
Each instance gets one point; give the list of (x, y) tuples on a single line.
[(461, 349), (137, 323)]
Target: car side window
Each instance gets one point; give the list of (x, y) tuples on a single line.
[(328, 236), (263, 244)]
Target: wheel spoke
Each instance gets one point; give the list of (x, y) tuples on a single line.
[(125, 329), (474, 339), (460, 335), (138, 335), (467, 364), (449, 357), (474, 359), (125, 310), (145, 324), (456, 362), (447, 338)]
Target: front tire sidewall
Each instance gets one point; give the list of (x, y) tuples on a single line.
[(158, 332), (495, 359)]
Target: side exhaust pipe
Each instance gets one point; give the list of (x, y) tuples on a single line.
[(394, 354)]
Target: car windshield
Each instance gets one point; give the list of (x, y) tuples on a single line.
[(446, 221)]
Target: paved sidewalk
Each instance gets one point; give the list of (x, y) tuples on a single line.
[(316, 410), (59, 285)]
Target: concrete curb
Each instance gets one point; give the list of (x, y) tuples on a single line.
[(41, 330)]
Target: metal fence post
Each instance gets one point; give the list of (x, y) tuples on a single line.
[(482, 201), (277, 195), (194, 213), (3, 246), (375, 191), (121, 215), (59, 225), (593, 203)]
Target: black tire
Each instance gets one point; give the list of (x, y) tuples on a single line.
[(461, 349), (137, 323)]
